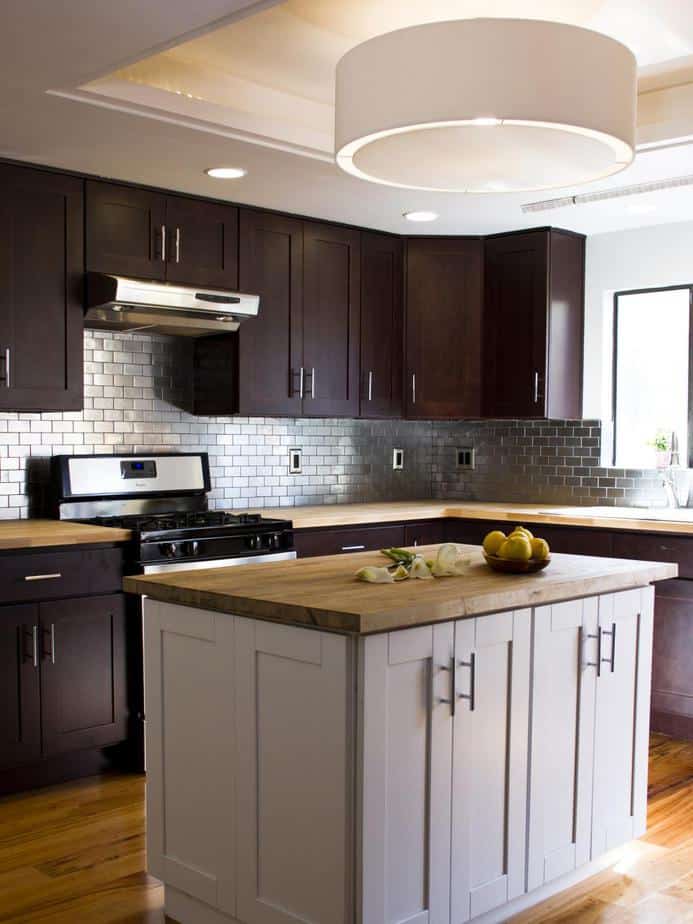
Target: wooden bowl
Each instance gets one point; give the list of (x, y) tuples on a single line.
[(510, 566)]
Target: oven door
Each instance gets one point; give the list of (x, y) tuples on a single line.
[(162, 567)]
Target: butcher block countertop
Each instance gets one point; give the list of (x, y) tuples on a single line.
[(35, 534), (633, 519), (323, 592)]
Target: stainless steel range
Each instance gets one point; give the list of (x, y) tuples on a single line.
[(162, 499)]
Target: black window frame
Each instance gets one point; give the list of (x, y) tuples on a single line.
[(614, 383)]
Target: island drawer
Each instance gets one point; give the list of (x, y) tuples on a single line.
[(311, 542), (649, 547), (28, 576)]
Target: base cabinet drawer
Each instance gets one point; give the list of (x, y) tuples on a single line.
[(425, 532), (311, 542), (30, 576)]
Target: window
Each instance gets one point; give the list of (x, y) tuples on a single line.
[(652, 345)]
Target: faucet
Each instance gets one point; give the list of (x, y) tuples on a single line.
[(669, 474)]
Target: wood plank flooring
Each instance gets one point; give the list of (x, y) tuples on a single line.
[(74, 854)]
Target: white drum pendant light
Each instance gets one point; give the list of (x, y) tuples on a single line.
[(486, 105)]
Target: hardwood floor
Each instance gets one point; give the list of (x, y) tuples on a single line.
[(74, 854)]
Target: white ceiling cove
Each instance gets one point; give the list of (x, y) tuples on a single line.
[(155, 92)]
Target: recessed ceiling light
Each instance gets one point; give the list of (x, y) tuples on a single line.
[(420, 216), (226, 173)]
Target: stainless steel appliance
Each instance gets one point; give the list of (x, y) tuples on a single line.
[(162, 499), (118, 303)]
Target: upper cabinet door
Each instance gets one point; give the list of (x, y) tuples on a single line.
[(491, 685), (381, 325), (443, 349), (41, 272), (126, 232), (515, 325), (331, 320), (202, 243), (270, 347)]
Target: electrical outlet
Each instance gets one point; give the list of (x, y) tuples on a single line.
[(465, 457), (398, 459), (295, 461)]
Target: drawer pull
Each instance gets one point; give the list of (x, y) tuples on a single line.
[(471, 696), (42, 577), (353, 548)]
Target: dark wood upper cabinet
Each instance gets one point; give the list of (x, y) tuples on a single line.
[(382, 319), (331, 320), (41, 272), (533, 318), (443, 327), (271, 345), (83, 674), (20, 715), (149, 235), (125, 230), (201, 243)]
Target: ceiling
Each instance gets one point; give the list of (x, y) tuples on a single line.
[(155, 92)]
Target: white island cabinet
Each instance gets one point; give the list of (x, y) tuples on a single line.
[(438, 774)]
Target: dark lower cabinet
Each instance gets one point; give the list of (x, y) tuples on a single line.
[(20, 704), (672, 670), (311, 542), (41, 273), (83, 679), (425, 532)]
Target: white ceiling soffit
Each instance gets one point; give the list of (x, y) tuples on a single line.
[(268, 76)]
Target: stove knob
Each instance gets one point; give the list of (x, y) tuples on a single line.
[(169, 549), (275, 541), (254, 542), (191, 548)]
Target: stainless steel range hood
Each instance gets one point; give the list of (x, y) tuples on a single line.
[(117, 303)]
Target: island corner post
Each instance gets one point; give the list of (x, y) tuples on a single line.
[(438, 769)]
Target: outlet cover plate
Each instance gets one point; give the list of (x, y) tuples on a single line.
[(295, 461), (398, 459), (464, 456)]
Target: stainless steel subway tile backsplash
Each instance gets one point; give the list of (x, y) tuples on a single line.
[(137, 399)]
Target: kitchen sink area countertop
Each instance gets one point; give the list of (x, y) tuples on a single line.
[(323, 593)]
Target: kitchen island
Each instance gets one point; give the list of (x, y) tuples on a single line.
[(430, 752)]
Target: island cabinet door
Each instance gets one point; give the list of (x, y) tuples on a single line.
[(405, 783), (295, 775), (489, 775), (622, 718), (189, 701), (561, 739)]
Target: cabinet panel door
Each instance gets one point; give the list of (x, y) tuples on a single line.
[(125, 231), (406, 782), (489, 779), (515, 324), (83, 677), (562, 739), (41, 272), (190, 810), (270, 347), (621, 731), (382, 318), (331, 320), (202, 245), (672, 678), (443, 348), (294, 791), (20, 718)]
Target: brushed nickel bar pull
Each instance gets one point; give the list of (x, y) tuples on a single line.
[(52, 643), (370, 386), (413, 388), (7, 368), (312, 383), (471, 696), (163, 243), (536, 386), (42, 577), (301, 381), (353, 548), (451, 701), (611, 660), (596, 663), (178, 237)]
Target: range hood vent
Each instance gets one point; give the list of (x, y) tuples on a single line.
[(117, 303)]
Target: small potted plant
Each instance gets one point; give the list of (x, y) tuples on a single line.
[(662, 447)]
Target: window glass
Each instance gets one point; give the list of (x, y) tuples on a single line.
[(652, 369)]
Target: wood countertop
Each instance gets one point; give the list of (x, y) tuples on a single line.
[(35, 534), (624, 518), (323, 593)]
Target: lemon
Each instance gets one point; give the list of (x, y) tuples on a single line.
[(493, 541), (523, 531), (540, 549), (516, 548)]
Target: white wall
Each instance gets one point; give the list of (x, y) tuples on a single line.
[(660, 255)]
